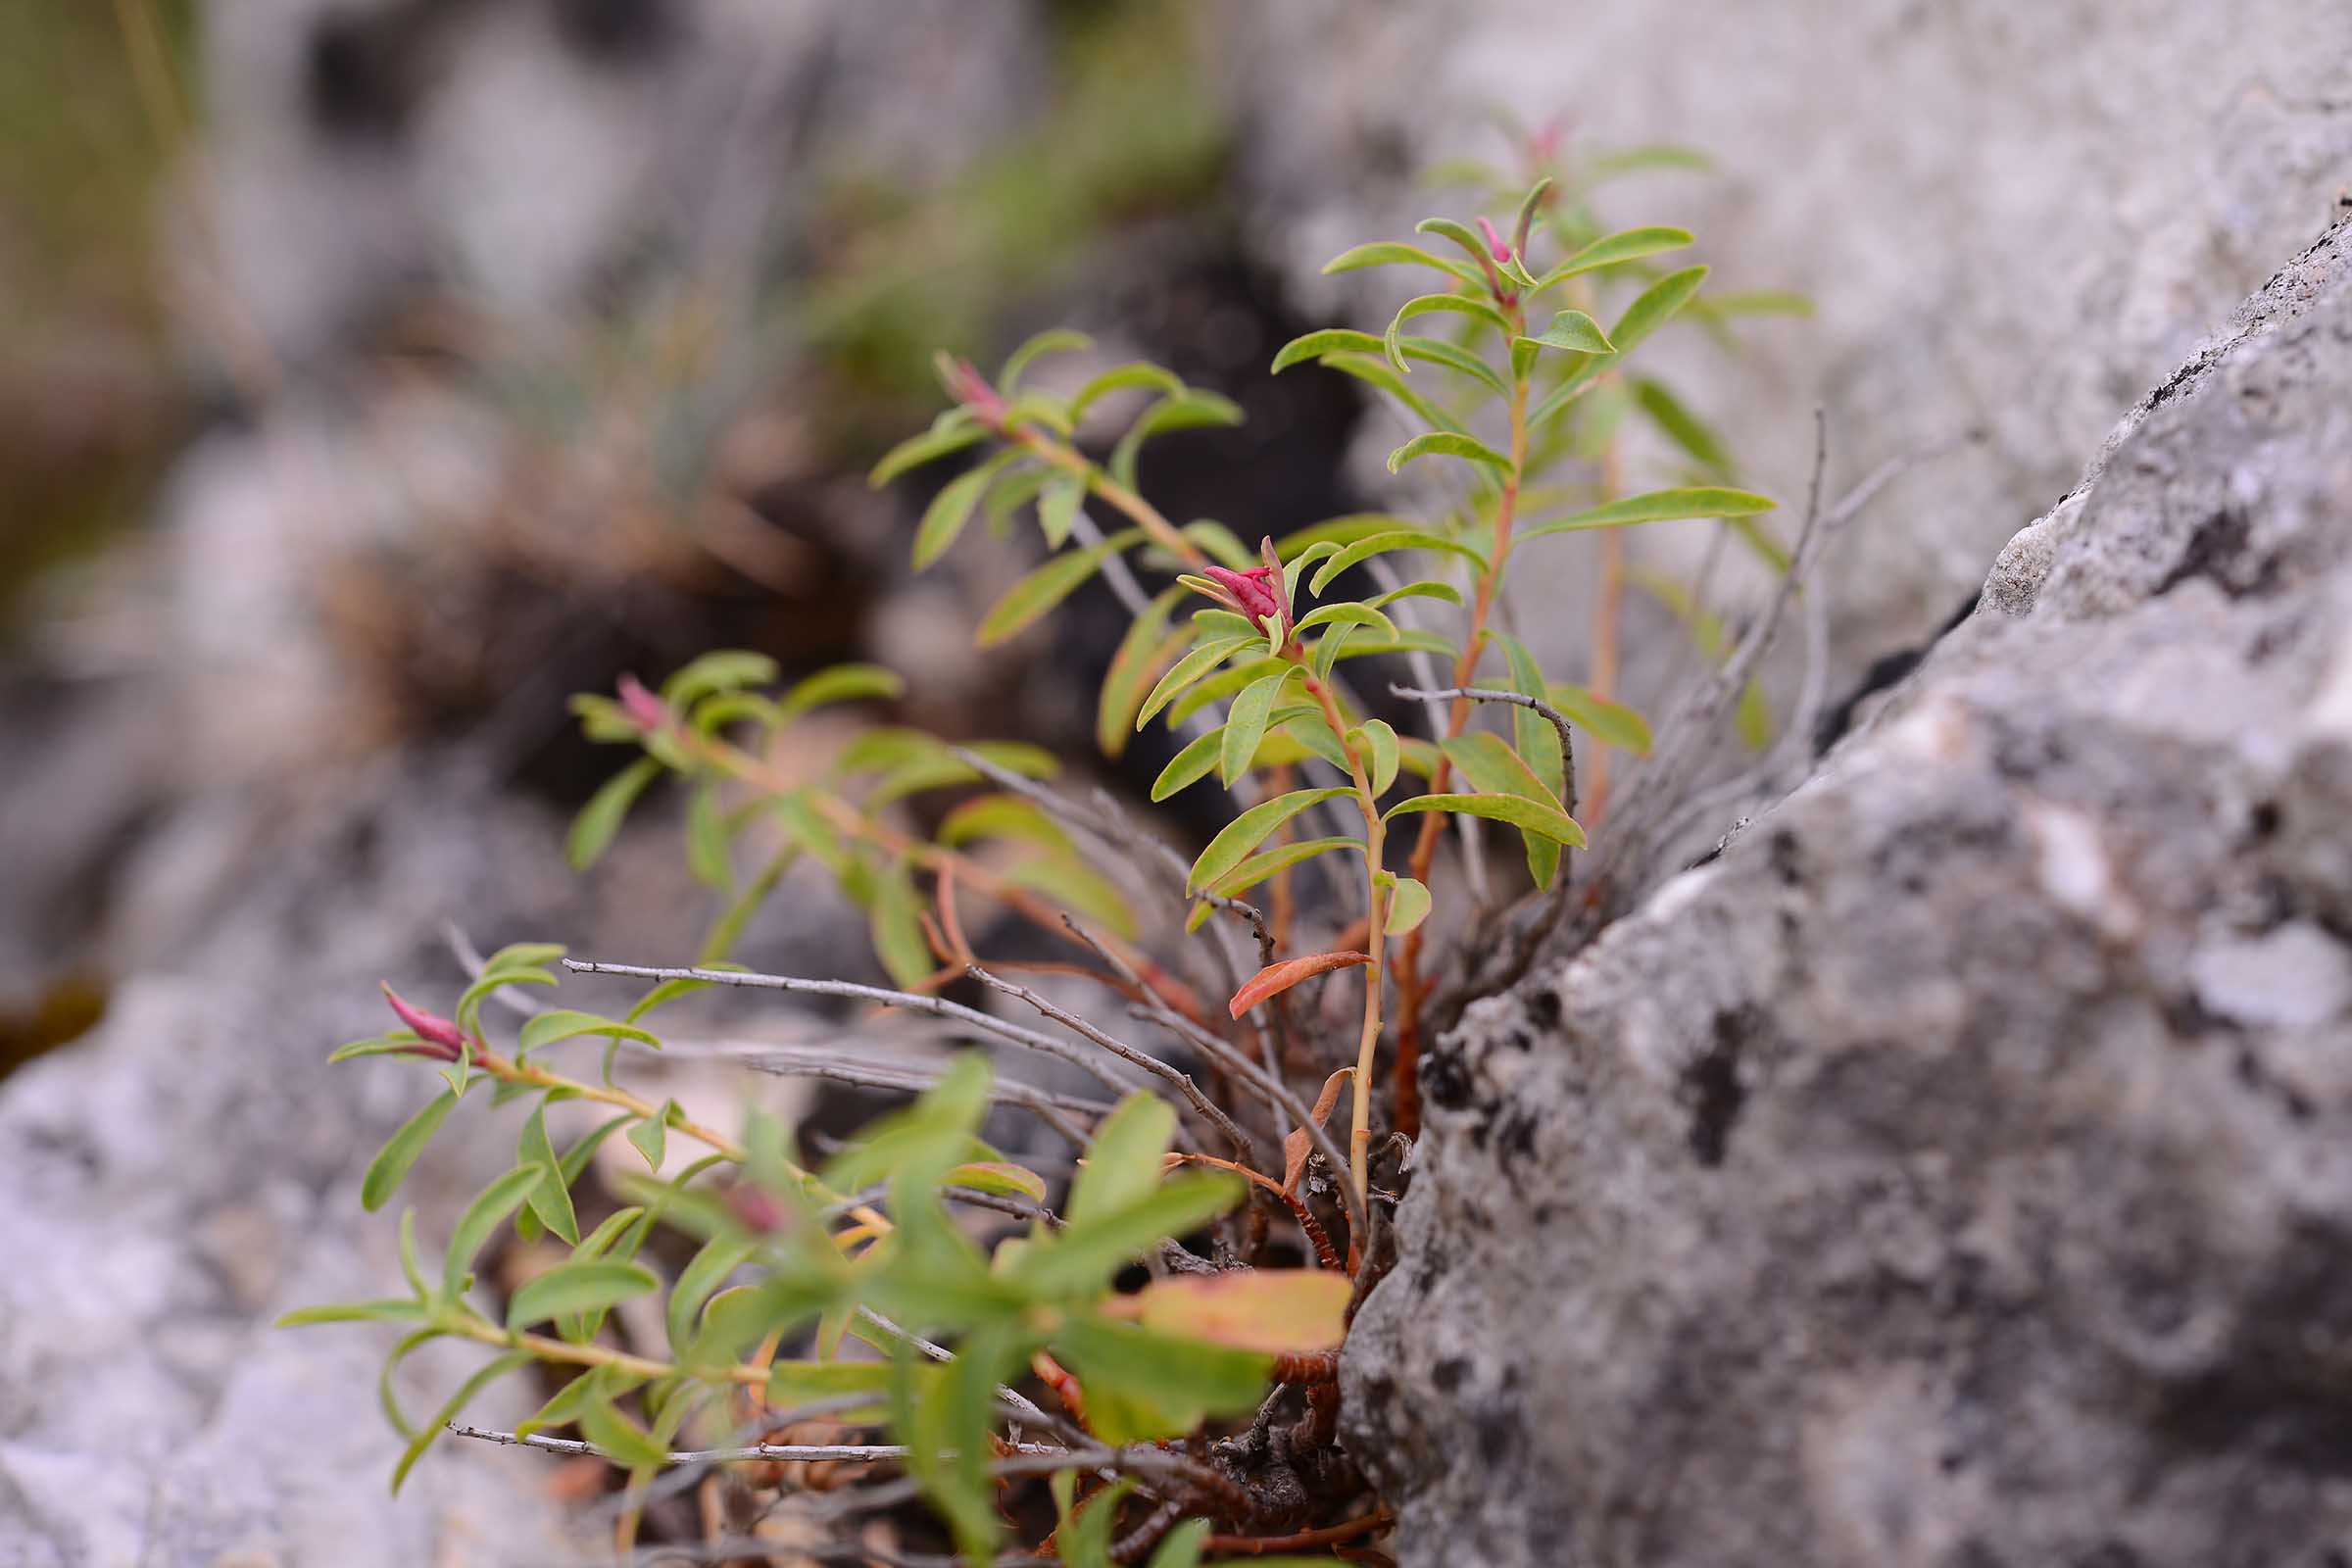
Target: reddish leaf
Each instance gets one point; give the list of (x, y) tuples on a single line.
[(1276, 978), (1296, 1145)]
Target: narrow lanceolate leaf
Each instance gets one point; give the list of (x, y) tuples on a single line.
[(1276, 978), (1374, 371), (1612, 723), (593, 830), (1491, 764), (1626, 246), (1123, 1164), (392, 1163), (1382, 739), (401, 1310), (1683, 427), (1144, 652), (952, 508), (650, 1135), (512, 1361), (1445, 444), (931, 445), (1408, 906), (1330, 340), (1350, 615), (1657, 506), (1188, 669), (999, 1176), (1380, 544), (551, 1199), (589, 1286), (565, 1023), (1454, 303), (1437, 351), (840, 683), (1190, 766), (1654, 307), (1390, 253), (1049, 585), (1121, 378), (1245, 726), (1249, 830), (895, 925), (1541, 748), (1058, 508), (1265, 864), (481, 1218), (1575, 331), (1053, 340), (1550, 821)]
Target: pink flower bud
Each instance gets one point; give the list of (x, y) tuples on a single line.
[(1258, 591), (649, 711), (971, 388), (1501, 252), (431, 1028), (756, 1209)]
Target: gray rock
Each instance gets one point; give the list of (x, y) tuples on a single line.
[(2015, 216), (1958, 1171)]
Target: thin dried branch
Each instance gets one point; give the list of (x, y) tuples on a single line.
[(817, 1059), (912, 1001), (1244, 1149), (1272, 1089)]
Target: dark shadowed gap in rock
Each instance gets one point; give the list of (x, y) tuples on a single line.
[(1885, 671)]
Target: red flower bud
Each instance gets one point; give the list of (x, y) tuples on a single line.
[(649, 711), (432, 1029), (1258, 591)]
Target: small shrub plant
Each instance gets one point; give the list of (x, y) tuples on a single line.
[(946, 1319)]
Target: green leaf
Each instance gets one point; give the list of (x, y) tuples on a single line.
[(1141, 1386), (481, 1218), (1134, 375), (1629, 245), (566, 1023), (1081, 1259), (1123, 1164), (1390, 253), (392, 1163), (840, 683), (1247, 830), (1681, 426), (1187, 410), (1330, 340), (1575, 331), (928, 447), (1069, 880), (1245, 724), (709, 1268), (725, 669), (650, 1135), (1058, 508), (1489, 763), (952, 508), (400, 1042), (1049, 585), (1532, 815), (1181, 1547), (1539, 747), (1757, 302), (1611, 723), (1188, 669), (512, 1361), (999, 1176), (1143, 654), (895, 921), (1380, 544), (1437, 351), (791, 1384), (1408, 906), (1654, 307), (1002, 817), (593, 830), (1445, 444), (1383, 741), (1656, 505), (1426, 303), (601, 1384), (1266, 863), (590, 1287), (1053, 340), (708, 860), (1472, 244), (1190, 766), (551, 1200), (393, 1311), (629, 1443)]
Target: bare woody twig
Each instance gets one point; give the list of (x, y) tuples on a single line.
[(1244, 1149)]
